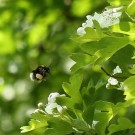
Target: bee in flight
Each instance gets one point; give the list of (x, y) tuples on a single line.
[(39, 74)]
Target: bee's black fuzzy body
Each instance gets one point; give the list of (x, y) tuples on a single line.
[(39, 74)]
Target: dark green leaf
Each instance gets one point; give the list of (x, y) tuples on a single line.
[(58, 127)]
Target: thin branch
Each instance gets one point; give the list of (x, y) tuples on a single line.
[(116, 77)]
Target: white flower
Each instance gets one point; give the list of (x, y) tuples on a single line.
[(112, 81), (51, 107), (52, 97), (108, 18), (61, 108), (117, 70), (37, 110), (108, 85), (81, 31), (40, 105)]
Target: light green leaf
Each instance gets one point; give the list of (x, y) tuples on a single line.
[(131, 9), (81, 60), (33, 125), (73, 88), (124, 28), (38, 121), (123, 124), (104, 106), (91, 35)]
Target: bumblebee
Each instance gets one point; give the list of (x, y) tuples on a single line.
[(39, 74)]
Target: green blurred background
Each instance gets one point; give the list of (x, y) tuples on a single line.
[(35, 33)]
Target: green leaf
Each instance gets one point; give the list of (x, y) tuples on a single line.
[(91, 47), (124, 28), (38, 121), (80, 125), (88, 114), (73, 88), (119, 2), (98, 29), (104, 106), (131, 9), (66, 101), (33, 125), (81, 60), (105, 48), (102, 119), (108, 46), (58, 127), (88, 95), (103, 114), (91, 35), (130, 88), (125, 60), (123, 124)]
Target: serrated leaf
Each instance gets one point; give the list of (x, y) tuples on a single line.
[(38, 121), (33, 125), (73, 88), (81, 60), (123, 124), (91, 35)]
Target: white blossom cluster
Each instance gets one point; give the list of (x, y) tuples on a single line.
[(52, 107), (108, 18), (112, 80)]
